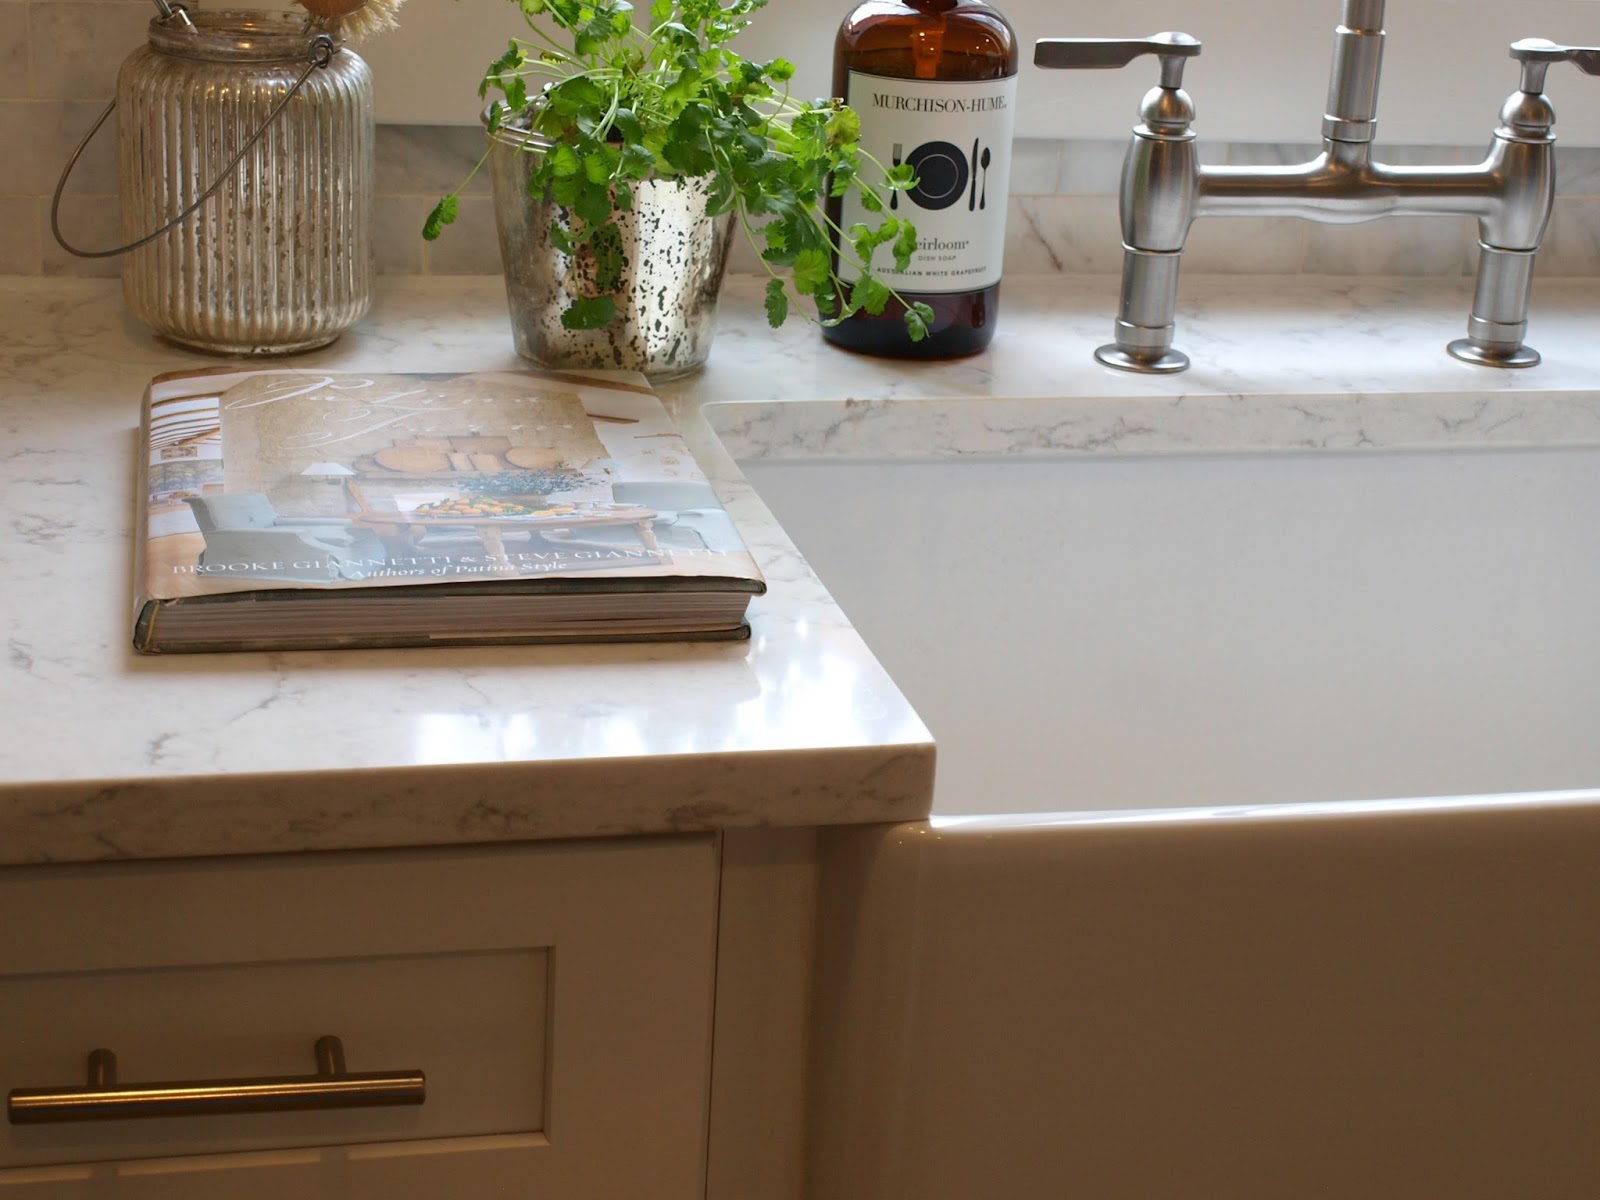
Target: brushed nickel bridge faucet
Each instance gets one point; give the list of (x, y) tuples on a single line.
[(1164, 187)]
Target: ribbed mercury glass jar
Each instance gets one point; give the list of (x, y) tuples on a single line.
[(280, 258)]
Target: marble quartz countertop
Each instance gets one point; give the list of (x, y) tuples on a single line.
[(105, 754)]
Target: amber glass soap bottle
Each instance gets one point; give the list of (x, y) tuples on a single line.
[(935, 84)]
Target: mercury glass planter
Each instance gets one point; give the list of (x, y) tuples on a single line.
[(674, 260), (280, 258)]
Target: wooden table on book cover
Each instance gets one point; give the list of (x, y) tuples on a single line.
[(491, 530)]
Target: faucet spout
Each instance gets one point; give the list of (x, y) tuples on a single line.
[(1352, 111)]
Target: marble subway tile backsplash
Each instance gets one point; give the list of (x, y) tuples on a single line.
[(1063, 208), (59, 57)]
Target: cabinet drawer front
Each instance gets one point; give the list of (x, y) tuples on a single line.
[(557, 997)]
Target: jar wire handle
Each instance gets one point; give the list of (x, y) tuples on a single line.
[(319, 54), (169, 10)]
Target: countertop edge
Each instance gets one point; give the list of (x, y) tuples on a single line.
[(463, 804)]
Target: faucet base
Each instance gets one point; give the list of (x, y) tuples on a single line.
[(1469, 351), (1167, 362)]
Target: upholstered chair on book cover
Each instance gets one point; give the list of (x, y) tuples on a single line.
[(243, 530)]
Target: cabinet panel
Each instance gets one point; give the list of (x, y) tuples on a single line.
[(558, 998)]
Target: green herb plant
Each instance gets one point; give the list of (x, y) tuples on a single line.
[(617, 105)]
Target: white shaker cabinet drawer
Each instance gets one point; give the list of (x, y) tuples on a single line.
[(556, 998)]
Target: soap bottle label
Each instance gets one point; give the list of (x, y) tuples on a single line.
[(957, 138)]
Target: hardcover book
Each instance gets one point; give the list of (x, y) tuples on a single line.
[(295, 509)]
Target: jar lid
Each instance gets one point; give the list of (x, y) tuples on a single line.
[(235, 35)]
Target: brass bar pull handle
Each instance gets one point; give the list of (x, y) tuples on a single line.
[(104, 1099)]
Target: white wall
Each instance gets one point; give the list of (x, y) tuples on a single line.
[(1262, 75)]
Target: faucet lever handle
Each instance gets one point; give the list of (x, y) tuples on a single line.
[(1106, 53), (1536, 55)]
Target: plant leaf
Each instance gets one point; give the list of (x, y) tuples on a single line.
[(637, 161), (626, 123), (564, 161), (507, 64), (597, 166), (871, 293), (844, 128), (444, 213), (720, 196), (917, 317), (564, 190), (811, 270), (593, 204), (777, 303), (905, 245), (609, 261), (590, 312)]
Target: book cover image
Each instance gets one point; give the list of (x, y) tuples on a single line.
[(294, 479)]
